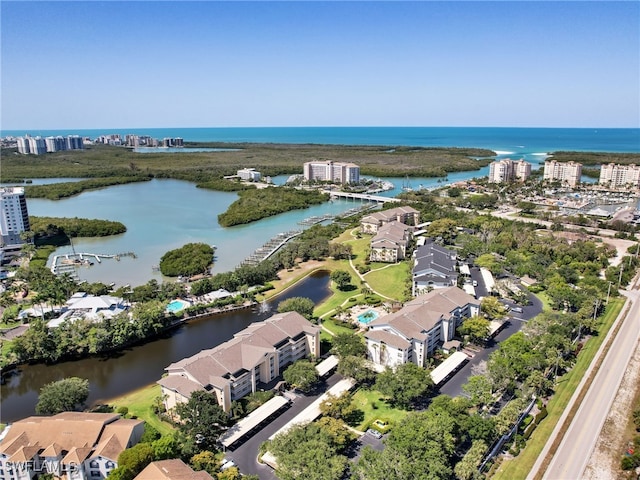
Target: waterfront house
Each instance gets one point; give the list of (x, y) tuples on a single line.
[(372, 223), (90, 307), (70, 445), (254, 357), (390, 243), (414, 332), (434, 267)]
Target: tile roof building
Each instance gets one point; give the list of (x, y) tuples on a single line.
[(258, 354), (434, 267), (413, 333), (390, 243), (70, 445), (174, 469), (407, 215)]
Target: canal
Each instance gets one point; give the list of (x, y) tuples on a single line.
[(142, 365)]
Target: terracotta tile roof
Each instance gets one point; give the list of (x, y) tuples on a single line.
[(78, 455), (171, 470), (24, 454), (110, 448), (77, 433), (53, 450)]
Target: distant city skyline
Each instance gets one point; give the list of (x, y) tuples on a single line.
[(89, 65)]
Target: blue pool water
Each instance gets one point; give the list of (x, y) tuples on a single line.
[(176, 306), (367, 317)]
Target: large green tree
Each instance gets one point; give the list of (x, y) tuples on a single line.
[(405, 384), (64, 395), (477, 328), (348, 344), (309, 452), (202, 419), (301, 374), (304, 306), (342, 279)]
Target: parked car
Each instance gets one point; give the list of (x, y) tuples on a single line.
[(474, 283), (374, 433), (227, 464), (516, 309)]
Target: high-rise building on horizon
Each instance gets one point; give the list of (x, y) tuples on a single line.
[(329, 171), (615, 176), (14, 216), (508, 170), (565, 172)]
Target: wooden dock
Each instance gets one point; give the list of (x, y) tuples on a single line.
[(269, 248)]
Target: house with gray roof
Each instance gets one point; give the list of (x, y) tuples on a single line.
[(423, 324), (253, 357), (434, 267)]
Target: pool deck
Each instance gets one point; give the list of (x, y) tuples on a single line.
[(360, 309)]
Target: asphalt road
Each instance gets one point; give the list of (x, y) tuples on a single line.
[(453, 387), (245, 456), (570, 460)]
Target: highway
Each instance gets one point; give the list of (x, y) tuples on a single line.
[(570, 460)]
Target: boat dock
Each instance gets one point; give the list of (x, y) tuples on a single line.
[(307, 222), (269, 248), (68, 262)]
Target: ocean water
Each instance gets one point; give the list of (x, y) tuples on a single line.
[(506, 141)]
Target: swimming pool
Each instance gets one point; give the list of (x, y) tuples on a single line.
[(177, 305), (367, 317)]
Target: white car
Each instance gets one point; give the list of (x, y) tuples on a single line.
[(374, 433), (227, 464)]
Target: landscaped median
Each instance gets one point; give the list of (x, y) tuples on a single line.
[(519, 467)]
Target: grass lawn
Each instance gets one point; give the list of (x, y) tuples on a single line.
[(389, 281), (546, 302), (520, 466), (335, 328), (140, 403), (372, 403)]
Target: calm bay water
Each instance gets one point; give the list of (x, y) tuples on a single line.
[(161, 215)]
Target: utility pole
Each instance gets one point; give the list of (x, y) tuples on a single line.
[(608, 292), (620, 276)]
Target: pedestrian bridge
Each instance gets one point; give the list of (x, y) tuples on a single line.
[(362, 196)]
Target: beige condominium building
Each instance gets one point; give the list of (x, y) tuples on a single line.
[(615, 176), (335, 172), (566, 172), (508, 170), (253, 357)]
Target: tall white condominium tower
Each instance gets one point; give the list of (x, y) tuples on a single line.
[(335, 172), (508, 170), (14, 217), (614, 175), (569, 172)]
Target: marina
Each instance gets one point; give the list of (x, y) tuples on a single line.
[(269, 248), (69, 262)]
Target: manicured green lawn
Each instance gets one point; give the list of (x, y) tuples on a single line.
[(372, 403), (140, 403), (389, 281), (520, 466), (335, 328)]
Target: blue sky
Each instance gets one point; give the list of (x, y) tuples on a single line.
[(225, 64)]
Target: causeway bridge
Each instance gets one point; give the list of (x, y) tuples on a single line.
[(362, 196)]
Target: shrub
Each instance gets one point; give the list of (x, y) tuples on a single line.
[(541, 415)]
